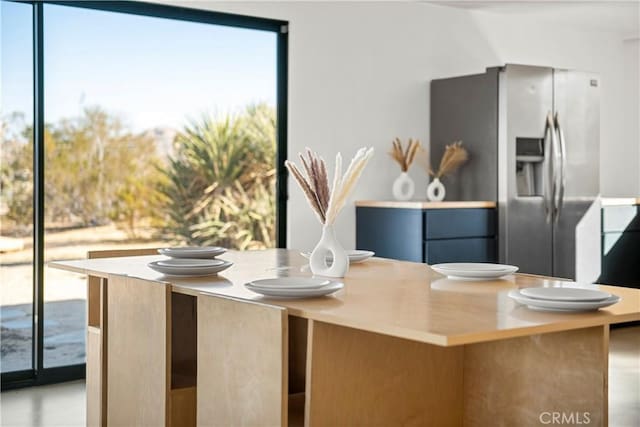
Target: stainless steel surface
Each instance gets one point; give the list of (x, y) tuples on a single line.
[(576, 233), (556, 162), (552, 227), (525, 234), (562, 181), (549, 164), (465, 108)]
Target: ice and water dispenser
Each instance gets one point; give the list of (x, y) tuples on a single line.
[(529, 159)]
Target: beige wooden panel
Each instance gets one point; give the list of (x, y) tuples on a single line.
[(183, 407), (111, 253), (514, 382), (358, 378), (94, 377), (242, 363), (138, 359)]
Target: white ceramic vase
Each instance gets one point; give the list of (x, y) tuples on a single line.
[(329, 244), (403, 187), (436, 191)]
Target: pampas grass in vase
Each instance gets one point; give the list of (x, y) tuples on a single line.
[(404, 187), (454, 156), (327, 201)]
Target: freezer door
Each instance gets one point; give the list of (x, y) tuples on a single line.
[(576, 228), (525, 100)]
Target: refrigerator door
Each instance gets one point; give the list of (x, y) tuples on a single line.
[(466, 109), (525, 101), (576, 227)]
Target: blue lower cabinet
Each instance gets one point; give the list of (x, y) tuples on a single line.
[(459, 223), (390, 232), (480, 249), (428, 235)]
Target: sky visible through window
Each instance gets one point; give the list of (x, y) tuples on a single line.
[(152, 72), (109, 186)]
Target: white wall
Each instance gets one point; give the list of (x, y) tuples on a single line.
[(359, 75), (631, 107)]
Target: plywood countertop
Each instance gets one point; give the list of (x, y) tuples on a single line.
[(425, 205), (396, 298)]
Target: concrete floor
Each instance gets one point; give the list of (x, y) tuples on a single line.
[(64, 404), (52, 405)]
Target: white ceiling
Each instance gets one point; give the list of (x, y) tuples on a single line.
[(615, 16)]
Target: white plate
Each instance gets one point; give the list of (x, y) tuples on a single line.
[(193, 252), (190, 263), (550, 305), (281, 292), (355, 256), (291, 283), (188, 271), (565, 294), (473, 270)]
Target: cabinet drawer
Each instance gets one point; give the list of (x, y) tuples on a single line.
[(460, 250), (620, 218), (456, 223)]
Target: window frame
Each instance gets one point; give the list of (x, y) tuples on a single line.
[(38, 374)]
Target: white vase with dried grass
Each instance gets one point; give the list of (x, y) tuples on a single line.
[(327, 203), (454, 156), (436, 190), (403, 187)]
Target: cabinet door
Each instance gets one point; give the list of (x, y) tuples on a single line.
[(460, 250), (390, 232), (458, 223), (138, 313)]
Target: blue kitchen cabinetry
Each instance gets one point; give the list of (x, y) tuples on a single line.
[(428, 235)]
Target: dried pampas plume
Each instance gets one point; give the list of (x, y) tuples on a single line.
[(454, 156), (327, 203), (404, 156)]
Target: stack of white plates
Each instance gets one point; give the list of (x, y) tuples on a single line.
[(563, 298), (474, 270), (294, 287), (193, 252), (185, 267), (355, 256)]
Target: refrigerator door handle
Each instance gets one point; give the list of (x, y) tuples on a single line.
[(549, 176), (563, 168)]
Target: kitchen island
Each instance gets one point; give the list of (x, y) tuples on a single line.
[(399, 345)]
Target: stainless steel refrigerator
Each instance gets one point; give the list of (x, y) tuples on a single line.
[(533, 135)]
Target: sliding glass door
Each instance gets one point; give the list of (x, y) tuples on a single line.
[(160, 126), (16, 187)]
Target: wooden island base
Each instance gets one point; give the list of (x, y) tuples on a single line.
[(362, 378), (254, 361)]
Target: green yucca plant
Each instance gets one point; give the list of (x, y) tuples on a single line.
[(219, 187)]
